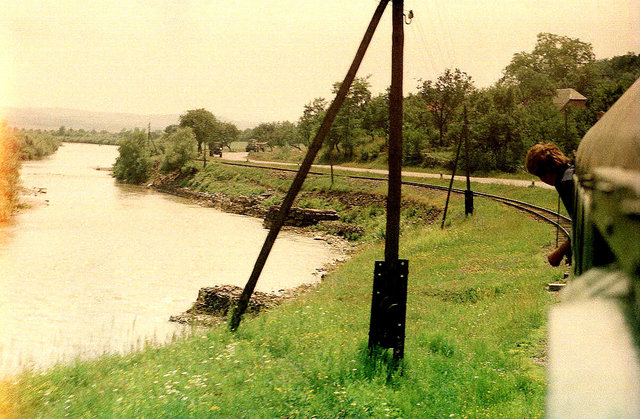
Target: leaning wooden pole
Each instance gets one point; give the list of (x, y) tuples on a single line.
[(453, 175), (468, 193), (243, 302), (395, 136)]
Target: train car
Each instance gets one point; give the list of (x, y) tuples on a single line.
[(594, 367)]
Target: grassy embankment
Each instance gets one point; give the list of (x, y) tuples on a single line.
[(475, 340)]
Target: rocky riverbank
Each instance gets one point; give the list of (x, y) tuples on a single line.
[(213, 304), (331, 228)]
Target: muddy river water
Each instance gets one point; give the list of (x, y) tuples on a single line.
[(100, 266)]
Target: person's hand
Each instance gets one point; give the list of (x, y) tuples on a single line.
[(557, 255)]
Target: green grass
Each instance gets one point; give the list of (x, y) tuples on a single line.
[(318, 192), (546, 198), (475, 337), (237, 146)]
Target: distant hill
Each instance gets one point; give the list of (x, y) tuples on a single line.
[(53, 118)]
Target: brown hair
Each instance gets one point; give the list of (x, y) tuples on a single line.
[(545, 158)]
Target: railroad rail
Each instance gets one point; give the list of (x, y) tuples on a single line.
[(560, 221)]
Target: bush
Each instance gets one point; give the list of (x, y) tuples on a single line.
[(180, 149), (133, 163)]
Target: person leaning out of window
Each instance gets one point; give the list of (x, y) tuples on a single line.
[(547, 162)]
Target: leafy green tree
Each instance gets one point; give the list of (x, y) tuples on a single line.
[(375, 117), (286, 134), (311, 119), (556, 62), (36, 144), (264, 133), (610, 79), (226, 133), (133, 162), (180, 149), (203, 124), (418, 123), (501, 129), (277, 134), (170, 129), (347, 126), (444, 97)]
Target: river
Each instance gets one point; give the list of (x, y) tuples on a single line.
[(101, 266)]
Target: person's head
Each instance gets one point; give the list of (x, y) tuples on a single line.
[(545, 160)]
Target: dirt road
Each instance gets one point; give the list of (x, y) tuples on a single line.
[(242, 156)]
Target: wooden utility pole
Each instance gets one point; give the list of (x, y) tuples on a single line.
[(455, 167), (389, 297), (395, 135), (314, 147)]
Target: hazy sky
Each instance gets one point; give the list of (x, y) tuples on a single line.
[(262, 60)]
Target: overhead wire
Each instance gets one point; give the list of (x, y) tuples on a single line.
[(434, 45), (451, 52)]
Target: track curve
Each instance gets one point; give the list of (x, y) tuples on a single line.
[(561, 222)]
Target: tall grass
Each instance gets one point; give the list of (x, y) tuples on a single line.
[(9, 172), (34, 146)]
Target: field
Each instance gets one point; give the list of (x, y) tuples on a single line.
[(475, 343)]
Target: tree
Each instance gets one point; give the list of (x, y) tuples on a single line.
[(226, 133), (170, 129), (133, 162), (347, 126), (180, 149), (203, 123), (375, 118), (311, 119), (444, 97), (264, 133), (277, 134), (556, 62), (610, 79)]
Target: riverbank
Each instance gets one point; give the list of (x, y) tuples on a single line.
[(475, 341)]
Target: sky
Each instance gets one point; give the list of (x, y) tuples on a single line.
[(263, 60)]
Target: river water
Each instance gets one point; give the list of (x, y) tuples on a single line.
[(101, 266)]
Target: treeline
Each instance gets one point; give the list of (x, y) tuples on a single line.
[(104, 137), (503, 120), (16, 145), (31, 144), (173, 150)]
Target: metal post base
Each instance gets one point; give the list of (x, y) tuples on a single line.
[(468, 202), (389, 306)]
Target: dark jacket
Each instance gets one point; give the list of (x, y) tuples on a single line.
[(564, 186)]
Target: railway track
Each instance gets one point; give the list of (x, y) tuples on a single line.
[(561, 222)]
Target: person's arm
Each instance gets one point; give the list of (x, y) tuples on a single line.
[(557, 255)]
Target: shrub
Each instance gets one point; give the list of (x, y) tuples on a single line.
[(180, 149), (133, 163)]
